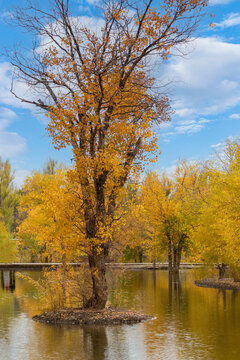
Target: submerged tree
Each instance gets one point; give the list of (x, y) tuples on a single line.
[(96, 87)]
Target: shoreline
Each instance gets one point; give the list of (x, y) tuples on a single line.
[(79, 316), (222, 284), (130, 266)]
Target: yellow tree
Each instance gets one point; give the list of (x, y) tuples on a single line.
[(159, 206), (218, 231), (133, 235), (96, 87), (172, 206), (190, 192), (8, 248), (53, 217), (54, 222)]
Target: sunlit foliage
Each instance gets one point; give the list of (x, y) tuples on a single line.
[(218, 230), (53, 216), (101, 99)]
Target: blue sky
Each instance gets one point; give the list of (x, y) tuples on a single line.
[(205, 95)]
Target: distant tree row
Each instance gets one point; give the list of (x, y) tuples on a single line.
[(194, 213)]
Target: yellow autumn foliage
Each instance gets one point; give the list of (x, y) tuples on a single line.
[(53, 216), (218, 231), (8, 245)]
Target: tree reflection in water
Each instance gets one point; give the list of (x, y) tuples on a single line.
[(174, 291), (191, 322), (95, 341), (8, 280)]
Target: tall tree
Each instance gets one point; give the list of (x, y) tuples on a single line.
[(96, 87), (50, 167), (8, 195)]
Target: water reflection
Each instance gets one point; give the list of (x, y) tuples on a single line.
[(191, 323), (8, 280), (175, 290), (95, 341)]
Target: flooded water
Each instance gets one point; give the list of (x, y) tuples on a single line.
[(191, 322)]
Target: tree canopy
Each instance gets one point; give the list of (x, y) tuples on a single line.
[(97, 88)]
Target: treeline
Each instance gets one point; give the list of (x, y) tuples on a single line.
[(191, 215)]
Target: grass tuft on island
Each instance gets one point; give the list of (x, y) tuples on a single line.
[(224, 284), (77, 316)]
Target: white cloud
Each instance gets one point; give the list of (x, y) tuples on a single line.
[(170, 170), (218, 146), (188, 128), (232, 20), (93, 23), (207, 81), (220, 2), (184, 127), (204, 121), (20, 176), (186, 122), (84, 9), (235, 116), (6, 15), (164, 125), (11, 144), (93, 2), (6, 98), (185, 112), (6, 117)]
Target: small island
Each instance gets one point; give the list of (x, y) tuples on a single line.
[(223, 284), (79, 316)]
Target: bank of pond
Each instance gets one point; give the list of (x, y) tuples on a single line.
[(190, 322)]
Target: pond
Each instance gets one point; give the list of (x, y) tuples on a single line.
[(191, 322)]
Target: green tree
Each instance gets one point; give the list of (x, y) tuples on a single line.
[(50, 167), (8, 195), (8, 248)]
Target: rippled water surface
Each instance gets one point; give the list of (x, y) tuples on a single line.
[(191, 322)]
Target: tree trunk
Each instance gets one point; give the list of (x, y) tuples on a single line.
[(222, 268), (64, 279), (170, 259), (98, 252), (176, 259), (140, 251), (175, 267), (99, 296)]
